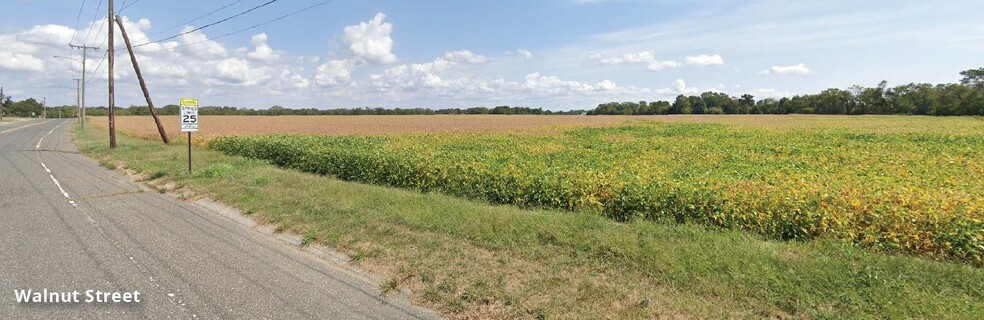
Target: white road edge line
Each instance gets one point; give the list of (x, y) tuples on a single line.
[(170, 295), (57, 184)]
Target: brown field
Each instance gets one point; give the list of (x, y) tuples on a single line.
[(212, 126)]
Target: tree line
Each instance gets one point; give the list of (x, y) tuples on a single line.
[(964, 98), (282, 111)]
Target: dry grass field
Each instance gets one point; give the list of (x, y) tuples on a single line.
[(212, 126)]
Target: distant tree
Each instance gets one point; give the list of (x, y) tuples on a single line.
[(25, 108), (745, 103), (659, 107), (681, 105), (973, 77), (275, 110), (697, 105)]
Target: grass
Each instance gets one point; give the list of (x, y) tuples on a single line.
[(470, 259)]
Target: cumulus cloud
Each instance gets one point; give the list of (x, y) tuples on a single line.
[(465, 56), (334, 73), (704, 60), (799, 68), (371, 41), (660, 65), (21, 62), (29, 50), (771, 93), (200, 46), (262, 52), (679, 87), (636, 58), (525, 54)]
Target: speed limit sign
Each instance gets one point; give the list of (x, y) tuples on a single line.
[(189, 115)]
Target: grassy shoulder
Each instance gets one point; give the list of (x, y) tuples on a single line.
[(466, 258)]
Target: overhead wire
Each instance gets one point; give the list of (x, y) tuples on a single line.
[(78, 18), (210, 24), (251, 27), (162, 31), (124, 6), (105, 55), (89, 33)]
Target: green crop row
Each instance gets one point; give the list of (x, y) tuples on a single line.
[(902, 192)]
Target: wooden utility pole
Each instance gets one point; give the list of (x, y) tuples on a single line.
[(143, 85), (84, 49), (78, 98), (112, 97)]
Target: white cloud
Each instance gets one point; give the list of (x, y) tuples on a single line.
[(770, 93), (465, 56), (704, 60), (525, 54), (291, 80), (371, 41), (660, 65), (334, 73), (200, 46), (237, 71), (636, 58), (263, 52), (22, 62), (799, 68), (679, 87)]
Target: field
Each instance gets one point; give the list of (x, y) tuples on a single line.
[(473, 259), (912, 192), (905, 184), (213, 126)]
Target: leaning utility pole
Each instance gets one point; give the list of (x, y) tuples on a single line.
[(112, 97), (143, 85), (84, 49)]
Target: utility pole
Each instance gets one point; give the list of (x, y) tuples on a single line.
[(112, 97), (84, 49), (78, 98), (143, 85), (44, 108), (3, 98)]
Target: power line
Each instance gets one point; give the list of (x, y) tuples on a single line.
[(94, 72), (124, 6), (77, 19), (147, 38), (87, 34), (253, 26), (211, 24)]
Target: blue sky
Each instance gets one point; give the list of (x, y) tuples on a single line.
[(556, 54)]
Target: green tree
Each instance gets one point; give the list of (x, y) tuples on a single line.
[(973, 77), (697, 105), (745, 103), (681, 105)]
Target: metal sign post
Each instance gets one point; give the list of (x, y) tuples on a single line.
[(189, 121)]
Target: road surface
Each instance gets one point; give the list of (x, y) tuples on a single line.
[(68, 225)]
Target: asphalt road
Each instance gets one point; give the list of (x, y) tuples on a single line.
[(83, 227)]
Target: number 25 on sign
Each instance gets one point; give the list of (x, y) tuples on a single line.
[(189, 121)]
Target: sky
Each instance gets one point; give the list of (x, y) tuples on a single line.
[(554, 54)]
